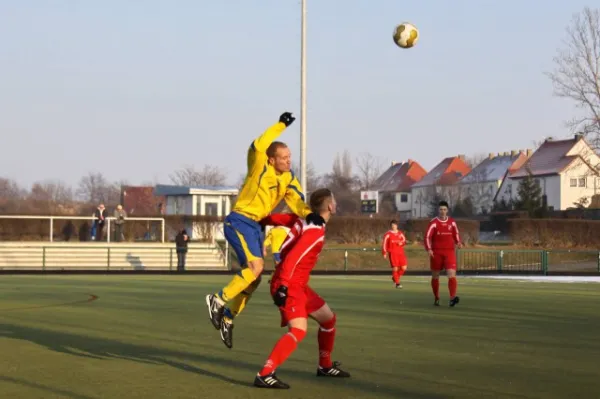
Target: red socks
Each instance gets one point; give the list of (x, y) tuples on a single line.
[(288, 343), (435, 286), (452, 285), (395, 277), (326, 339), (283, 349), (400, 273)]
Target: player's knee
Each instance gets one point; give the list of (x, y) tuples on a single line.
[(297, 333), (257, 266), (329, 324)]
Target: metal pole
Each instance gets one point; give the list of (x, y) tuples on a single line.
[(51, 229), (303, 101)]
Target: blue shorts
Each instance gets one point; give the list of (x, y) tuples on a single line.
[(245, 237)]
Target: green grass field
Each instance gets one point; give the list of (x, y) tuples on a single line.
[(149, 337)]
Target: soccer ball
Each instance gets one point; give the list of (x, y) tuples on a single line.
[(406, 35)]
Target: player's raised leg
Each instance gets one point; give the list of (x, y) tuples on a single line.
[(244, 236), (286, 345)]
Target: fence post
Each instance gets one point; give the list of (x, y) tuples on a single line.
[(108, 232), (170, 259), (346, 260), (500, 261), (51, 229), (162, 222), (545, 262), (107, 258), (598, 261), (44, 258)]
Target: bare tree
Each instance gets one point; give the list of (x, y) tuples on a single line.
[(51, 196), (209, 175), (369, 169), (577, 72), (95, 188), (11, 196), (313, 179), (341, 178), (475, 159)]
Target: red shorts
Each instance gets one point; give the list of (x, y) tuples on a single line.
[(397, 259), (443, 260), (301, 302)]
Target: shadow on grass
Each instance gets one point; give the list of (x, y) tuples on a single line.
[(102, 348), (29, 384)]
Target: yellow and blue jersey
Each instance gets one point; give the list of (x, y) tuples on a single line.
[(263, 188), (262, 191)]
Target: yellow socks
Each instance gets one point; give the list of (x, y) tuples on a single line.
[(240, 282)]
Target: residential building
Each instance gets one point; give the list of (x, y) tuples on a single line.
[(397, 181), (566, 170), (482, 183), (197, 201), (439, 183)]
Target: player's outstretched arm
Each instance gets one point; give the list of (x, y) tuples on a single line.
[(295, 200), (280, 219), (272, 133)]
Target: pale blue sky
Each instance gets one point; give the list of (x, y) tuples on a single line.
[(137, 89)]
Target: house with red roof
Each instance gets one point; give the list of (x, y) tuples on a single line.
[(440, 182), (566, 170), (398, 180), (483, 182)]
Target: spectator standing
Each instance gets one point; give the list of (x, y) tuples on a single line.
[(120, 216), (99, 222), (181, 247)]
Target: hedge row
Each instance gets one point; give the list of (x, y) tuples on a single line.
[(556, 233), (341, 229)]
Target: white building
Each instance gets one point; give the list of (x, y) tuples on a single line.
[(397, 181), (439, 183), (198, 201), (483, 182), (567, 171)]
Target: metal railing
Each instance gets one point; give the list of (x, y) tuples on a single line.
[(51, 220)]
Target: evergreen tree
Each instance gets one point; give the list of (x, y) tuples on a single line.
[(530, 196), (464, 208)]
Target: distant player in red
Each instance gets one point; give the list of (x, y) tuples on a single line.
[(440, 240), (393, 249), (295, 299)]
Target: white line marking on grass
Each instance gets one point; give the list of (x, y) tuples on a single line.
[(521, 279)]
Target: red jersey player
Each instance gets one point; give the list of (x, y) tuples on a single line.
[(295, 299), (393, 249), (440, 240)]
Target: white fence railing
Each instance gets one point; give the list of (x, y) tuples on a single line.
[(51, 220), (113, 257)]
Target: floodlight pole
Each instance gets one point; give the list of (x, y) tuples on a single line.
[(303, 101)]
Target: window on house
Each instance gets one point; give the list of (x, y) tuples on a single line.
[(403, 198), (509, 188), (210, 209), (582, 182), (573, 182)]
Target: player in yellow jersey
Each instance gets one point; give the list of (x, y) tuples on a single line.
[(269, 181), (275, 238)]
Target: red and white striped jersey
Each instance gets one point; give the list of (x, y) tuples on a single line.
[(393, 241), (441, 235), (300, 250)]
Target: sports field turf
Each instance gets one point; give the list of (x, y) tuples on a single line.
[(149, 337)]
